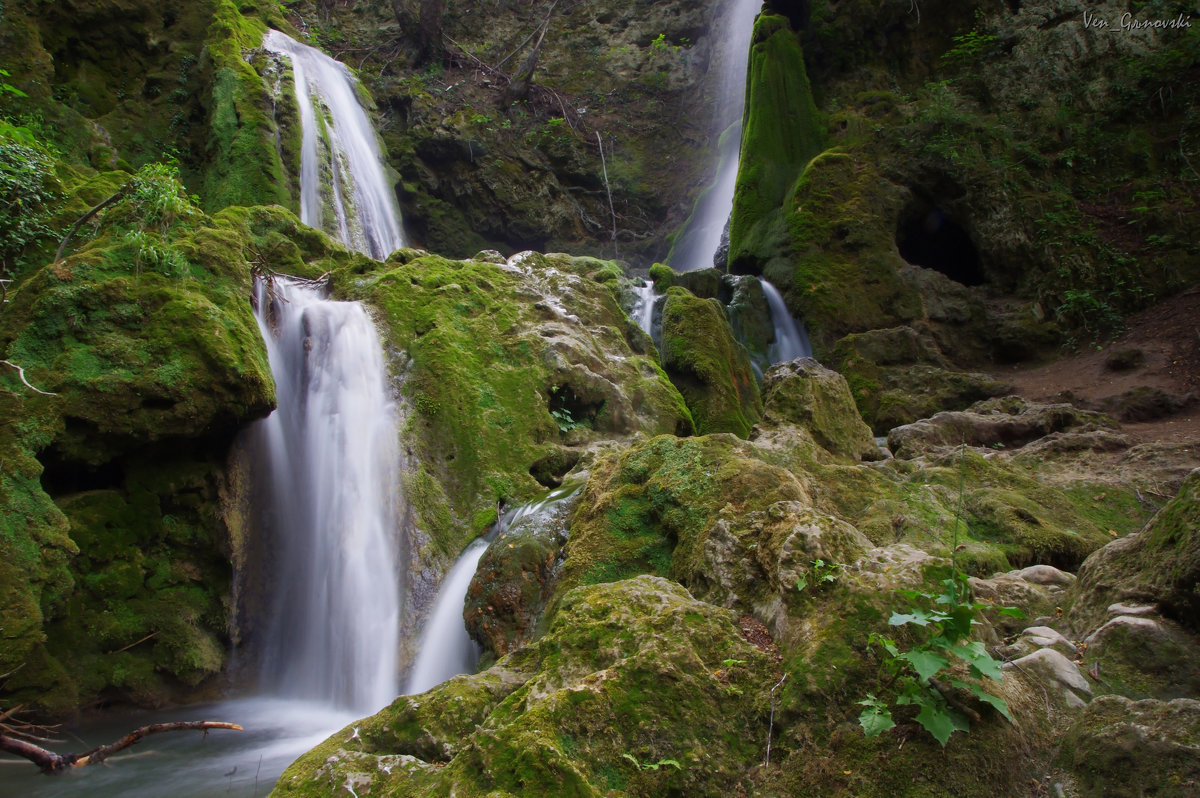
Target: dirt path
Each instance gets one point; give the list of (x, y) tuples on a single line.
[(1167, 336)]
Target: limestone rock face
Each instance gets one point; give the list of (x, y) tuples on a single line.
[(1010, 422), (613, 694), (1121, 747), (805, 393)]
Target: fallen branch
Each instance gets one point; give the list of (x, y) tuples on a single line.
[(50, 762), (21, 374), (121, 192)]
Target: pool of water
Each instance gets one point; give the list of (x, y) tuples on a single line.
[(185, 764)]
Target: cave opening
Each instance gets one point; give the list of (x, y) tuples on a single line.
[(930, 238)]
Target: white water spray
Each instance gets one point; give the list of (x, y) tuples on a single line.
[(702, 237), (446, 649), (791, 339), (334, 489), (344, 188)]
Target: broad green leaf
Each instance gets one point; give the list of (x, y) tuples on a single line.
[(1012, 612), (925, 663), (941, 721), (801, 583), (875, 721), (981, 662), (977, 690), (917, 616)]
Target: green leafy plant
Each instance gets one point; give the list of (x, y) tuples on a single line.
[(652, 765), (823, 573), (968, 49), (929, 675), (29, 194)]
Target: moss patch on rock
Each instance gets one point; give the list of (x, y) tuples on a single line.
[(710, 368)]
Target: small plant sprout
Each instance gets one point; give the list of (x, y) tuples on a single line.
[(652, 765), (823, 573)]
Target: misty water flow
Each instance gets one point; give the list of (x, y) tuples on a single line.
[(333, 490), (702, 236), (344, 186), (791, 339)]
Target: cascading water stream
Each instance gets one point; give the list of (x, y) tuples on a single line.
[(446, 649), (791, 339), (344, 187), (702, 236), (333, 491)]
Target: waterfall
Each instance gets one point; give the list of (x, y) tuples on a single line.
[(791, 340), (702, 236), (333, 491), (344, 187), (446, 649), (643, 307)]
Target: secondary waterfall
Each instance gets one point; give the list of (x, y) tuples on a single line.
[(791, 339), (333, 490), (643, 307), (446, 649), (702, 236), (344, 187)]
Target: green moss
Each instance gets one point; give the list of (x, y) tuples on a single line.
[(663, 277), (626, 668), (781, 133), (710, 368), (487, 362)]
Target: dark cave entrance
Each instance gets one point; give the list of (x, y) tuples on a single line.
[(928, 237)]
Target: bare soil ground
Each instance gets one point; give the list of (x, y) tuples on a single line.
[(1168, 337)]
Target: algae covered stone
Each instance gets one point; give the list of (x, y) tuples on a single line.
[(813, 397), (636, 689), (710, 368)]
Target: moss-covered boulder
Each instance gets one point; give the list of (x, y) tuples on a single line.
[(710, 368), (1120, 747), (656, 508), (899, 375), (517, 573), (636, 689), (805, 393), (510, 371), (1159, 565)]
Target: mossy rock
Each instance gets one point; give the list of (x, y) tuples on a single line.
[(1159, 565), (710, 368), (781, 132), (507, 368), (655, 508), (1119, 747), (818, 399), (636, 689)]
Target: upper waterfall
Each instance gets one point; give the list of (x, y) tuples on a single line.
[(702, 236), (344, 185), (334, 488)]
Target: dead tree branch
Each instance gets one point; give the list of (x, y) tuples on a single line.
[(50, 762), (21, 374), (121, 192)]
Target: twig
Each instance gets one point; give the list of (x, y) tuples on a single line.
[(138, 643), (21, 373), (608, 188), (771, 726), (953, 700), (121, 192)]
